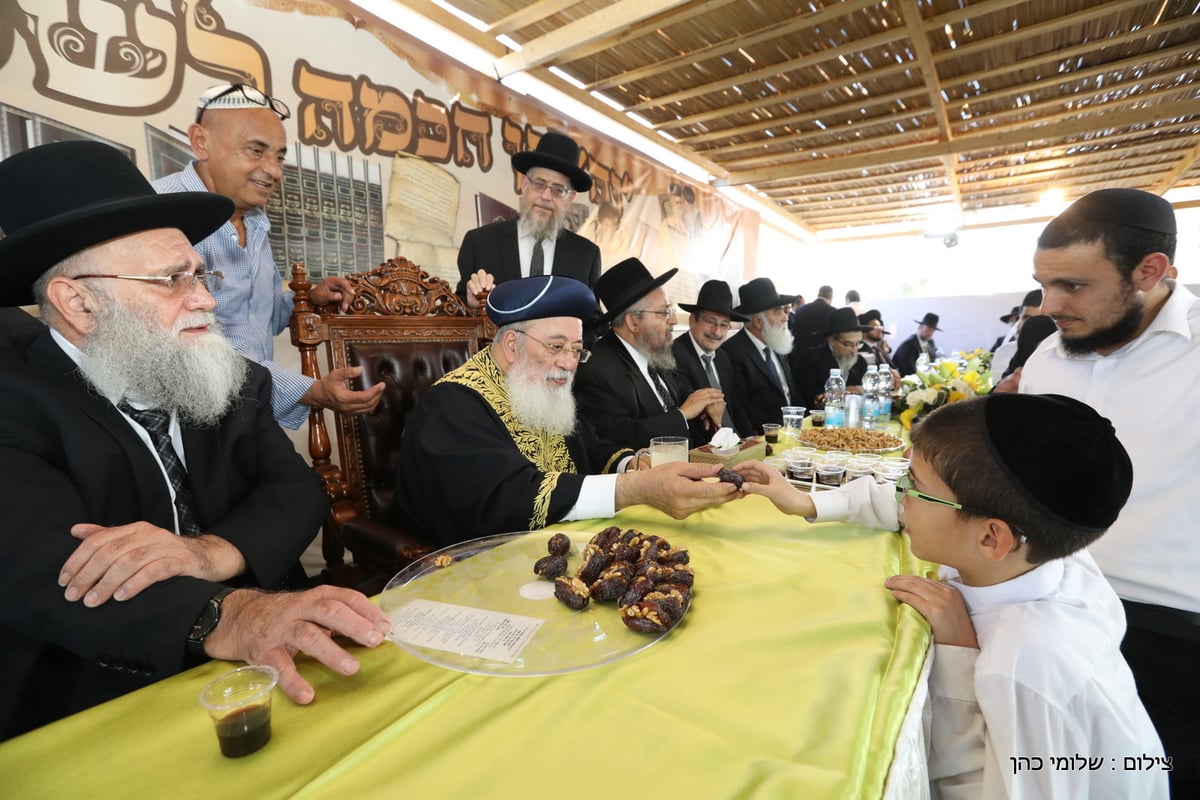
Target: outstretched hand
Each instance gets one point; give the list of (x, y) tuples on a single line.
[(770, 483), (271, 628), (333, 391), (677, 489), (332, 290)]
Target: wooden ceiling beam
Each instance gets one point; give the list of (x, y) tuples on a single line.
[(559, 43), (534, 12), (1186, 162)]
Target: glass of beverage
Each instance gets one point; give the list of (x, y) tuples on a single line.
[(830, 474), (239, 703), (793, 418), (771, 432), (666, 449), (817, 418)]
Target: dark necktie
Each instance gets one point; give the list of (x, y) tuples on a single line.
[(771, 367), (538, 265), (158, 425), (726, 420), (663, 388)]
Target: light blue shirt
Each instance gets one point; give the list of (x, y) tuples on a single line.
[(252, 306)]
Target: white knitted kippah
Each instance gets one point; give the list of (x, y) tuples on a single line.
[(234, 99)]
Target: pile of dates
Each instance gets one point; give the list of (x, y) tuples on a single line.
[(650, 580)]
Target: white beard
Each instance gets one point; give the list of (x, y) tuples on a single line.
[(537, 404), (847, 362), (541, 228), (776, 337), (129, 356)]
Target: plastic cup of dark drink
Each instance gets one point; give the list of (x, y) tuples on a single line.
[(771, 432), (817, 418), (239, 703)]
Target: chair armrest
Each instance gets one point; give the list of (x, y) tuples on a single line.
[(383, 542)]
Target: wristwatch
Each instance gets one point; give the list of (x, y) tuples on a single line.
[(206, 623)]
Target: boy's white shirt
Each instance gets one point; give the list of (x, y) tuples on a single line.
[(1047, 707)]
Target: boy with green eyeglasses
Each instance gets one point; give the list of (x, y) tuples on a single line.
[(1006, 492)]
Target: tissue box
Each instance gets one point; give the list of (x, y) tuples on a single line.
[(750, 449)]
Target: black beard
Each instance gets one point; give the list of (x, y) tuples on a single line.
[(1111, 337)]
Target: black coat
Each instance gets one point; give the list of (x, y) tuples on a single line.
[(758, 395), (493, 248), (614, 398), (811, 367), (808, 319), (906, 355), (691, 376), (68, 456)]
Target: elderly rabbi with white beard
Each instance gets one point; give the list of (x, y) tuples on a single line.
[(496, 446), (148, 494), (763, 380)]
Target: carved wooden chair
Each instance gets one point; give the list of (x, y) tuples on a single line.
[(407, 329)]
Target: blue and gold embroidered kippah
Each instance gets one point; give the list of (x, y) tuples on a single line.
[(538, 298)]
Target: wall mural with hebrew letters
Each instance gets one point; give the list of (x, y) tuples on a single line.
[(395, 149)]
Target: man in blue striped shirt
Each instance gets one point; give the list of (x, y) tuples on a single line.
[(239, 143)]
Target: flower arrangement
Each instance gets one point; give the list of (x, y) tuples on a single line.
[(947, 381)]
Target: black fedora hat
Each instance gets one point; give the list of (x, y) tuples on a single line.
[(58, 199), (1012, 316), (760, 295), (714, 296), (624, 284), (842, 320), (929, 319), (557, 152), (872, 314)]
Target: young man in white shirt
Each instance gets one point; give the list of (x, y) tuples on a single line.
[(1007, 491)]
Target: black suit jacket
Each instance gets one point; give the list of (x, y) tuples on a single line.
[(759, 396), (906, 355), (808, 319), (618, 402), (691, 376), (493, 247), (811, 367), (68, 456)]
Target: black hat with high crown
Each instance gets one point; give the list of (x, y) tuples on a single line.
[(58, 199), (842, 320), (622, 285), (714, 296), (557, 152), (929, 319), (760, 295)]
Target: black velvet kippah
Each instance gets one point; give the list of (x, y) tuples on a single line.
[(538, 298), (1062, 454), (1128, 207)]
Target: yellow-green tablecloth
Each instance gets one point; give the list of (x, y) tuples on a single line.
[(789, 678)]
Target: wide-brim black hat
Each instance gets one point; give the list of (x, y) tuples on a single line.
[(842, 320), (760, 295), (58, 199), (1012, 316), (714, 296), (929, 319), (872, 314), (557, 152), (622, 285)]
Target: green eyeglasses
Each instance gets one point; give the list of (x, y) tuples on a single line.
[(904, 487)]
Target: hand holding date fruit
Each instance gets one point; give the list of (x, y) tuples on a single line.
[(677, 489), (769, 482)]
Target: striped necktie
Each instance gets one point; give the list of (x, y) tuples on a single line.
[(158, 425), (538, 265)]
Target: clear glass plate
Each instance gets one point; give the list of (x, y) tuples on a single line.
[(495, 574)]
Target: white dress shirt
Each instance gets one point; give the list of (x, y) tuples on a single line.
[(1150, 390)]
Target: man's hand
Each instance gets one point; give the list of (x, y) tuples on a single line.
[(270, 628), (677, 488), (333, 391), (941, 604), (118, 563), (699, 400), (481, 281), (1010, 384), (771, 484), (715, 413), (333, 290)]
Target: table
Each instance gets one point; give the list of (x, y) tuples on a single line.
[(789, 678)]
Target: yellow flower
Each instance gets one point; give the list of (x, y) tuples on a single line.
[(907, 416)]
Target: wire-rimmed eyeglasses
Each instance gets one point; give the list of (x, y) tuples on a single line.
[(178, 283), (556, 349), (254, 95), (556, 189), (904, 487), (658, 312)]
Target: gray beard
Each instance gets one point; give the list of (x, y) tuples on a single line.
[(128, 356), (846, 362), (540, 229), (537, 405)]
